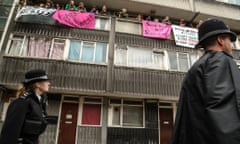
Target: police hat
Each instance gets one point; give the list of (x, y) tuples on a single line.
[(36, 75), (213, 27)]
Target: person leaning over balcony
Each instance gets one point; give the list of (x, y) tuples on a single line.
[(123, 13), (58, 7), (104, 11), (26, 116), (139, 17), (209, 105), (71, 6), (49, 4), (94, 10), (182, 23), (81, 7), (167, 20)]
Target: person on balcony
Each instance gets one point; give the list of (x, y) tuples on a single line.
[(104, 11), (139, 17), (182, 22), (26, 117), (81, 7), (71, 6), (149, 18), (49, 4), (123, 13), (94, 10), (58, 7), (209, 104), (167, 20)]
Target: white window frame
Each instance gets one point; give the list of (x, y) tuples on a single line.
[(52, 44), (10, 42), (164, 53), (154, 52), (94, 53), (24, 41), (110, 111), (82, 102), (178, 64)]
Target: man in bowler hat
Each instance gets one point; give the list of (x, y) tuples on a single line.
[(26, 116), (209, 105)]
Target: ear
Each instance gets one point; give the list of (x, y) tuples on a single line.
[(220, 41), (37, 84)]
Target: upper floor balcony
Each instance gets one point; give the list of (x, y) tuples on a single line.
[(190, 10), (41, 36)]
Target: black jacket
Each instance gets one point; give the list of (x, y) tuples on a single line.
[(209, 105), (25, 120)]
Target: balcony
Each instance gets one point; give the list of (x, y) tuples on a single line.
[(70, 77), (178, 9)]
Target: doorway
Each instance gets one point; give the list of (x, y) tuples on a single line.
[(68, 123), (166, 125)]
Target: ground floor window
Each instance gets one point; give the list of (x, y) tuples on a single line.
[(91, 111), (126, 113)]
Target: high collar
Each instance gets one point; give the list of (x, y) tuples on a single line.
[(211, 51)]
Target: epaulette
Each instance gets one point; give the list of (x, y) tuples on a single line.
[(25, 95)]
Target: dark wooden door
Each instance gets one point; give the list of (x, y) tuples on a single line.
[(166, 125), (68, 123)]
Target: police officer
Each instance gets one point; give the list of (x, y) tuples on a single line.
[(209, 104), (26, 116)]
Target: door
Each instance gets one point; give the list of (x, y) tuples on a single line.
[(68, 123), (166, 125)]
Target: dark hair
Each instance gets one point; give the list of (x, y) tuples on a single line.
[(209, 42)]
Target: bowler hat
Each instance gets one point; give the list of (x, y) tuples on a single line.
[(213, 27), (36, 75)]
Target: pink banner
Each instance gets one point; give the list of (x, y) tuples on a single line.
[(156, 29), (75, 19)]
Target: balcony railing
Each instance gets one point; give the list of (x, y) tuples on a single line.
[(75, 77)]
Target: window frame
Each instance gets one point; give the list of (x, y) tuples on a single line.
[(121, 105), (94, 52), (154, 52), (82, 102), (10, 41), (52, 46), (178, 61)]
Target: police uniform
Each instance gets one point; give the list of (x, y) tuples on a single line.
[(209, 104), (25, 118)]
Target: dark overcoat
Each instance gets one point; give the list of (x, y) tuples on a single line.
[(209, 105), (25, 120)]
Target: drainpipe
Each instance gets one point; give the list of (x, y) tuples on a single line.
[(110, 67), (109, 88)]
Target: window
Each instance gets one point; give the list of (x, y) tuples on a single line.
[(121, 55), (236, 2), (88, 51), (158, 58), (18, 46), (91, 111), (57, 50), (36, 47), (193, 58), (126, 113), (39, 47), (140, 57), (178, 61)]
